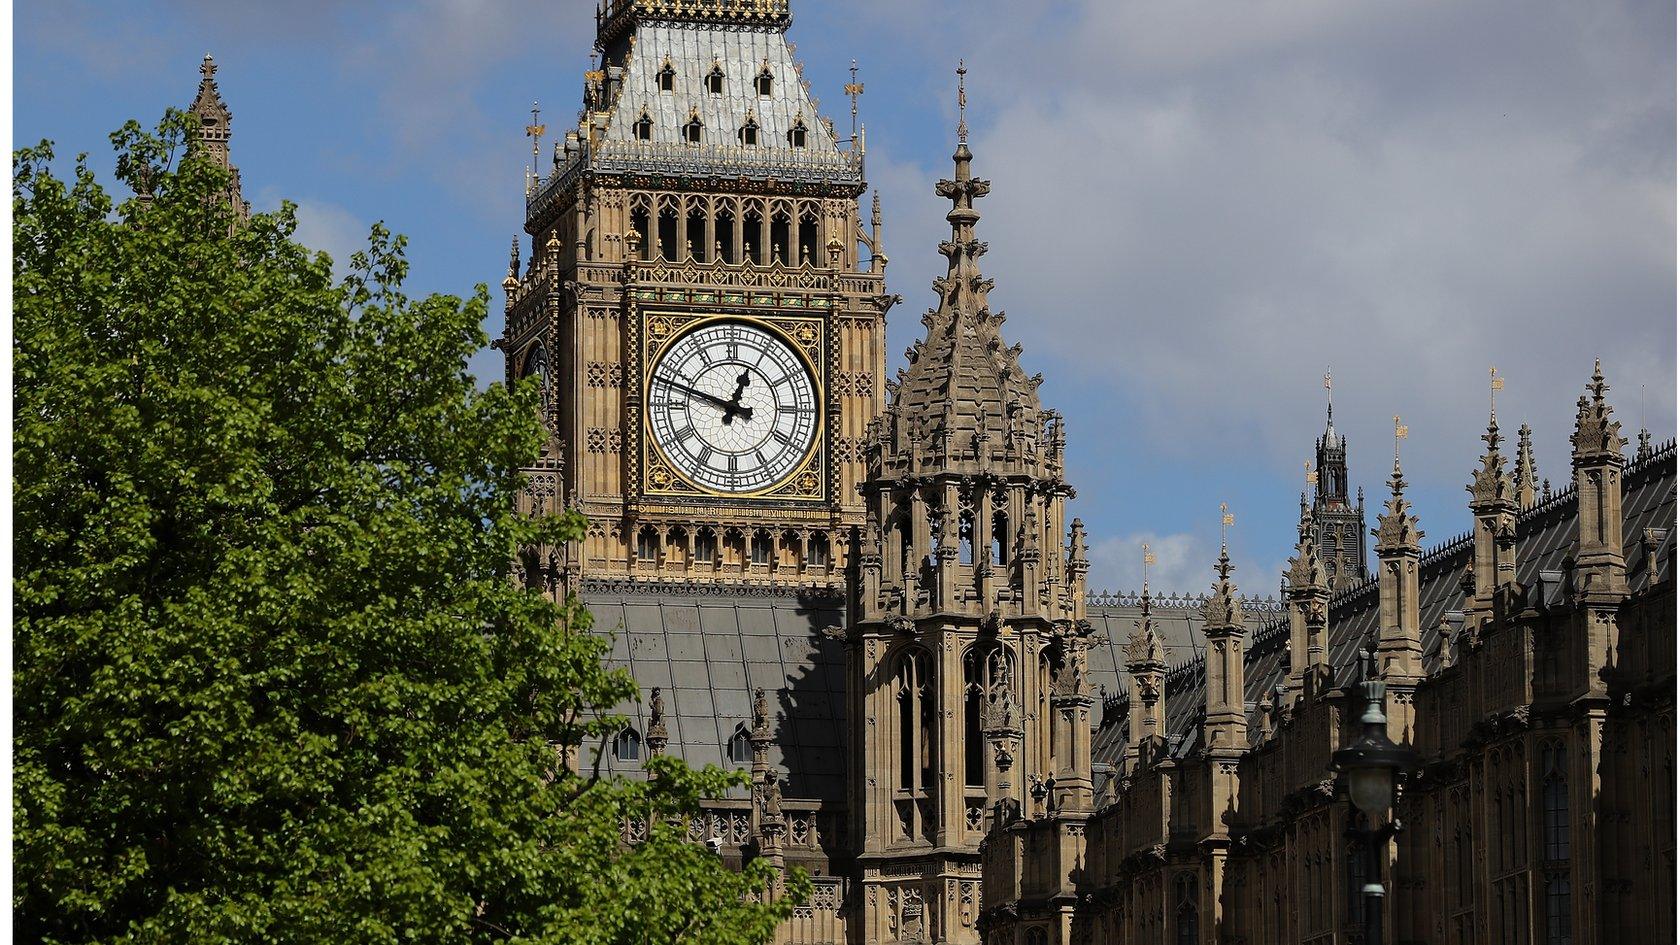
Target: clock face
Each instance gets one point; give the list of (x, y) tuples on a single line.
[(732, 407)]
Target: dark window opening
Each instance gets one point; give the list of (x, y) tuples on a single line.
[(692, 130), (723, 245), (627, 745), (644, 128), (639, 223), (714, 80), (695, 247), (749, 133), (1000, 538), (808, 241), (668, 234), (667, 77), (761, 547), (779, 239), (647, 545), (965, 538), (752, 239), (819, 550), (740, 746), (705, 545), (796, 134), (762, 83)]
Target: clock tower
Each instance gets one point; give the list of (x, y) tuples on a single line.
[(704, 305)]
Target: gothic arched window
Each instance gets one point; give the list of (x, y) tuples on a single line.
[(714, 79), (705, 546), (965, 538), (796, 134), (647, 544), (986, 666), (740, 746), (817, 550), (913, 691), (1554, 836), (693, 130), (762, 549), (1187, 914), (667, 77), (749, 132), (627, 745), (644, 127), (1000, 537), (762, 82)]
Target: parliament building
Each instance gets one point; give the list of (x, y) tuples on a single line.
[(866, 591)]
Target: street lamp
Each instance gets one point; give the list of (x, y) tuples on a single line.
[(1373, 764)]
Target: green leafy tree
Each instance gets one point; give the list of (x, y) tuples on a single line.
[(274, 680)]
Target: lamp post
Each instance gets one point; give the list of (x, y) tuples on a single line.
[(1373, 766)]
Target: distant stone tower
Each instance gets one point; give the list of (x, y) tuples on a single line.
[(216, 132), (1340, 522), (968, 701)]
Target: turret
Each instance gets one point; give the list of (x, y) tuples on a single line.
[(1600, 569), (1523, 477), (1148, 670), (1493, 503), (1308, 599), (1399, 636), (1225, 725)]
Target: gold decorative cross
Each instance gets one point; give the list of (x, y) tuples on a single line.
[(535, 130), (853, 89)]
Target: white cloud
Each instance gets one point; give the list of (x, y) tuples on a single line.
[(1184, 564), (331, 229)]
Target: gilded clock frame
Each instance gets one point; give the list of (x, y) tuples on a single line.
[(806, 336)]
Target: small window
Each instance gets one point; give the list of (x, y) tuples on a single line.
[(692, 130), (644, 127), (1000, 538), (749, 133), (740, 746), (761, 547), (819, 550), (796, 134), (647, 545), (762, 83), (714, 79), (667, 77), (627, 746), (705, 546)]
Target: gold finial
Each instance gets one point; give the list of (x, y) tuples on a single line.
[(535, 130), (1399, 434), (1312, 474), (1148, 559), (962, 103), (1495, 385), (1226, 520), (853, 89)]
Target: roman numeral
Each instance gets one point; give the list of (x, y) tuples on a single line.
[(705, 455)]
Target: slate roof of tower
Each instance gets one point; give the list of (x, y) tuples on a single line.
[(709, 651), (1546, 535)]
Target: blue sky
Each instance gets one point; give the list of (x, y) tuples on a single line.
[(1197, 207)]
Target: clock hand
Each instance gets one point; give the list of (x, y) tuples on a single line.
[(735, 406), (728, 406)]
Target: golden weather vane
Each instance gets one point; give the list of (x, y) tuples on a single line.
[(1226, 520), (535, 130), (1312, 474), (1148, 559), (1399, 434), (1495, 385), (853, 89)]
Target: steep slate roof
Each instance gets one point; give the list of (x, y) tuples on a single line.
[(1545, 537), (709, 651), (692, 49)]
